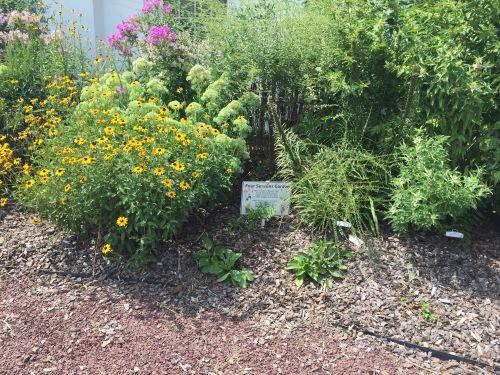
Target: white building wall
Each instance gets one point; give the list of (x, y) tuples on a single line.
[(100, 16)]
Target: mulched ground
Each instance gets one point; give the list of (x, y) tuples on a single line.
[(173, 319)]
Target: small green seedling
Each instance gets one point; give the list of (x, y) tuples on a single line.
[(425, 311)]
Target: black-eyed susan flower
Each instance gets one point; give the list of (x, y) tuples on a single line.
[(109, 130), (184, 185), (167, 182), (171, 194), (203, 155), (196, 174), (139, 169), (60, 171), (3, 202), (67, 187), (229, 171), (159, 171), (122, 221), (28, 184), (178, 166), (36, 220), (106, 249)]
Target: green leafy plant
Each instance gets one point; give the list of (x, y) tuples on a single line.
[(323, 262), (428, 194), (425, 312), (253, 217), (220, 261)]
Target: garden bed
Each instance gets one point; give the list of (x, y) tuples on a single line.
[(384, 292)]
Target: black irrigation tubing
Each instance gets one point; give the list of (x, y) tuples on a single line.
[(445, 356)]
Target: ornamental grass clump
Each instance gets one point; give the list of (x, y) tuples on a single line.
[(127, 167)]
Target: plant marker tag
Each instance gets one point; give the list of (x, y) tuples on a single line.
[(262, 223), (356, 240), (343, 224), (454, 234)]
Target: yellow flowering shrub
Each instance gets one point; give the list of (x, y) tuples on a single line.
[(127, 166)]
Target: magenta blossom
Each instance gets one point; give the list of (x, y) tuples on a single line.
[(149, 5), (160, 35)]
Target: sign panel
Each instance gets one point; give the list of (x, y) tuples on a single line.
[(276, 193), (454, 234)]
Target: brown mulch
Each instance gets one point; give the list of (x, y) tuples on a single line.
[(181, 321)]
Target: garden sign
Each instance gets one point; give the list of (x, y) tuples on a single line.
[(276, 193)]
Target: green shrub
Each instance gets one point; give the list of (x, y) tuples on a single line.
[(128, 167), (341, 183), (426, 193)]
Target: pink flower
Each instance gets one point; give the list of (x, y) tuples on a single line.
[(159, 35), (149, 5)]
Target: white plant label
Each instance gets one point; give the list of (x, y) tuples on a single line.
[(276, 193), (454, 234), (356, 240), (343, 224)]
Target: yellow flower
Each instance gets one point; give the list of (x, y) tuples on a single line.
[(84, 180), (184, 120), (29, 183), (3, 202), (27, 168), (171, 194), (229, 171), (196, 174), (159, 171), (36, 220), (106, 249), (158, 151), (122, 221), (179, 137), (215, 132), (109, 130), (102, 139), (184, 185), (177, 166), (62, 202), (179, 90), (14, 81), (203, 155), (60, 171), (167, 182), (139, 169), (44, 172), (79, 141), (240, 118), (67, 188)]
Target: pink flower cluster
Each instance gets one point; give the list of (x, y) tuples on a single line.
[(126, 32), (159, 35), (18, 25), (25, 17), (14, 35), (150, 5)]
